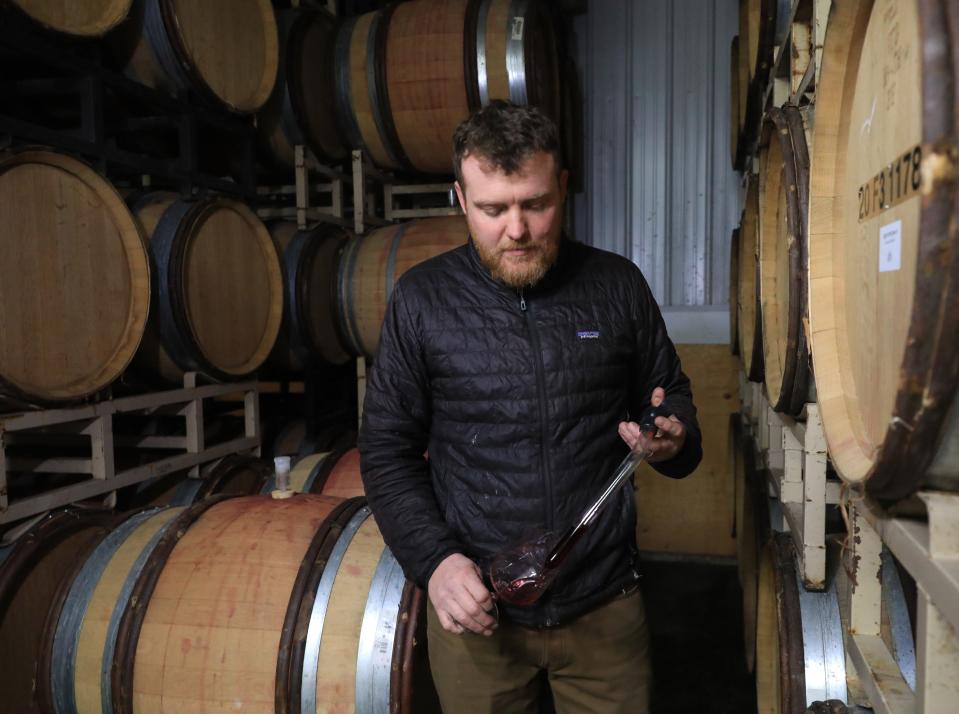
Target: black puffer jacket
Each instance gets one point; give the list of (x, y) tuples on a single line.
[(518, 398)]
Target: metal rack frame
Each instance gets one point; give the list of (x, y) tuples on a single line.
[(304, 190), (364, 208), (96, 422)]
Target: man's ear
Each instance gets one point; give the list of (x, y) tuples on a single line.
[(563, 181), (460, 195)]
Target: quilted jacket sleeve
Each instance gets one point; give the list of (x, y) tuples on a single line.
[(392, 442), (661, 368)]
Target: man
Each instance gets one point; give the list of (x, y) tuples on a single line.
[(518, 361)]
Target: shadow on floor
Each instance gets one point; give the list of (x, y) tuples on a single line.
[(695, 616)]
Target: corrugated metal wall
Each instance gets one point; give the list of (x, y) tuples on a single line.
[(659, 186)]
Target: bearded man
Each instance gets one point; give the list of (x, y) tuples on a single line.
[(521, 362)]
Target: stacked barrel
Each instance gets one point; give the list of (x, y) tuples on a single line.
[(293, 603), (173, 282), (844, 266), (204, 591), (846, 249)]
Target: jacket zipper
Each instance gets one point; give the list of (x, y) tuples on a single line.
[(544, 425), (543, 417)]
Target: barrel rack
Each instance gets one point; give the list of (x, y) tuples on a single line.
[(365, 173), (797, 60), (317, 193), (795, 456), (54, 427), (86, 95)]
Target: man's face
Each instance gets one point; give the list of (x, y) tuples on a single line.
[(514, 219)]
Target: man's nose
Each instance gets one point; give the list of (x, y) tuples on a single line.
[(515, 224)]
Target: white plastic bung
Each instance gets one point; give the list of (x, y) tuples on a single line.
[(281, 469)]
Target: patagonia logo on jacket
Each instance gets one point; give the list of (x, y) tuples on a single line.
[(588, 334)]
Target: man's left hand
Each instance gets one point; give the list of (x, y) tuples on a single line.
[(670, 432)]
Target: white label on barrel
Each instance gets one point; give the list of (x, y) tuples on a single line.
[(517, 28), (890, 247)]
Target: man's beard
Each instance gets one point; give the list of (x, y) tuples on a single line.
[(526, 272)]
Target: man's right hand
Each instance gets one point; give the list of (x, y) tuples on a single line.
[(459, 597)]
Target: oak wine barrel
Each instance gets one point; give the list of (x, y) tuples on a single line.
[(298, 438), (247, 602), (884, 247), (370, 265), (309, 261), (734, 292), (218, 290), (74, 279), (751, 526), (783, 259), (330, 473), (780, 658), (757, 35), (742, 83), (735, 120), (32, 570), (750, 325), (408, 74), (79, 18), (231, 475), (294, 438), (800, 648), (757, 24), (226, 51), (300, 109)]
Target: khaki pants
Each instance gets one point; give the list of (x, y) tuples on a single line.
[(598, 663)]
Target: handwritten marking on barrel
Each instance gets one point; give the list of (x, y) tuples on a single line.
[(867, 125)]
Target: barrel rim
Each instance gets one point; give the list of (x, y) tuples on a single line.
[(378, 84), (783, 399), (36, 543), (321, 471), (472, 54), (751, 354), (734, 100), (228, 467), (137, 262), (734, 292), (345, 324), (177, 59), (803, 375), (306, 246), (289, 675), (113, 16), (541, 23), (342, 105), (294, 34), (169, 244), (44, 692), (412, 605), (792, 680), (134, 613)]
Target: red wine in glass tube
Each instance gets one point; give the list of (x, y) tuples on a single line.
[(521, 574)]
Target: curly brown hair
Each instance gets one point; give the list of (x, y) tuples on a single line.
[(505, 135)]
